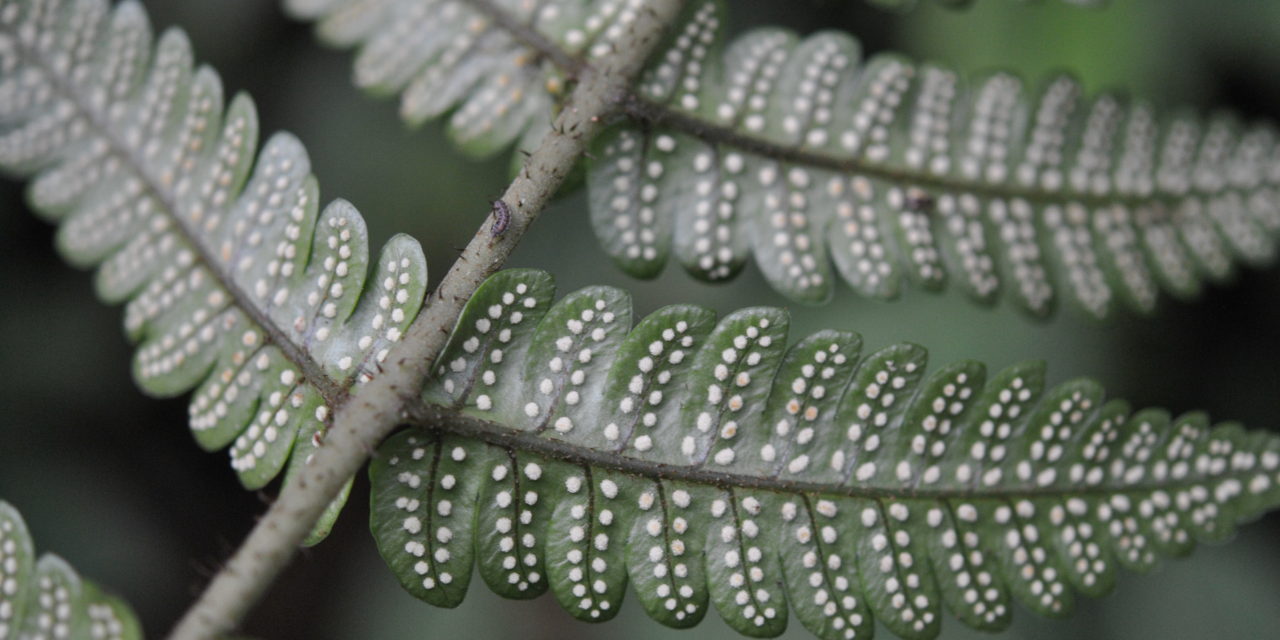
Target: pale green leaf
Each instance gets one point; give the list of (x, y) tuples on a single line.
[(712, 465), (235, 283), (800, 153), (46, 599), (452, 57)]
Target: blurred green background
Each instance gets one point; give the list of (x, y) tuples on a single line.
[(112, 480)]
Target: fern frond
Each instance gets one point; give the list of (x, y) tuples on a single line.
[(827, 167), (45, 599), (708, 464), (235, 283), (798, 151)]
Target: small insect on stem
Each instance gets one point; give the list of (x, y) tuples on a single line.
[(919, 201), (501, 218)]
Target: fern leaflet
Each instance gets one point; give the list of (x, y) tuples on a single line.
[(45, 599), (794, 150), (463, 56), (710, 465), (235, 283), (826, 167)]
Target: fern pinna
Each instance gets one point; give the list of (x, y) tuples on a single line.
[(708, 464), (235, 281), (825, 167), (45, 599)]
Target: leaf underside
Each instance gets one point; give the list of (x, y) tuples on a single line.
[(826, 167), (45, 599), (446, 56), (710, 465), (234, 282), (737, 474), (907, 5)]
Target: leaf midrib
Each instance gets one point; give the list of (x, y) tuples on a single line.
[(451, 421), (333, 392), (645, 110), (530, 36)]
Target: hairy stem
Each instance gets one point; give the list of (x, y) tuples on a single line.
[(374, 409)]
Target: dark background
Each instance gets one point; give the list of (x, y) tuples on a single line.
[(112, 480)]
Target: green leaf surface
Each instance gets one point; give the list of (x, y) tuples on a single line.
[(45, 599), (235, 282), (811, 482), (897, 172), (826, 167), (17, 571), (454, 59)]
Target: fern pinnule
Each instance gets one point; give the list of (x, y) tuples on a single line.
[(46, 599), (445, 56)]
